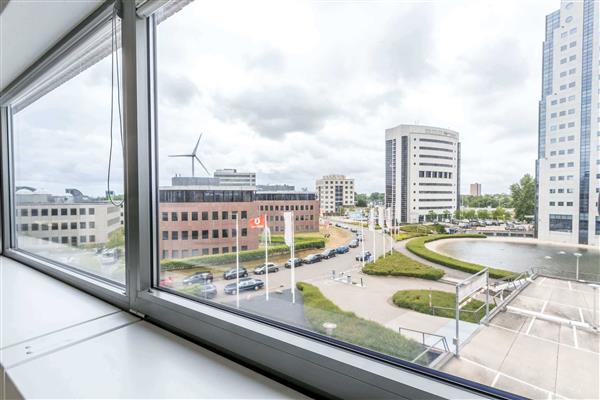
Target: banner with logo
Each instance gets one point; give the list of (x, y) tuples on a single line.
[(288, 234)]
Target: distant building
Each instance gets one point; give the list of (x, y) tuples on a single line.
[(568, 163), (475, 189), (335, 192), (234, 178), (304, 205), (422, 171), (278, 188), (71, 219)]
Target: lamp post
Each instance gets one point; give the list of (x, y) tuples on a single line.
[(578, 255)]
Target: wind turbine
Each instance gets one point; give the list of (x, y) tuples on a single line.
[(193, 156)]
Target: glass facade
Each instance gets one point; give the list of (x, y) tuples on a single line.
[(561, 223)]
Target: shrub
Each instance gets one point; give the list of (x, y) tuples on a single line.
[(353, 329), (407, 235), (443, 304), (423, 229), (397, 264), (228, 258), (417, 246)]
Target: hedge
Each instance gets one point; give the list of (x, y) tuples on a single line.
[(407, 235), (417, 246), (418, 300), (397, 264), (420, 228), (353, 329), (228, 258)]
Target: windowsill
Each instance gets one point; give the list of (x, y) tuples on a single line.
[(59, 342)]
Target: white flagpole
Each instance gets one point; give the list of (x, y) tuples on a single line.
[(362, 243), (293, 248), (237, 261), (266, 229), (383, 241)]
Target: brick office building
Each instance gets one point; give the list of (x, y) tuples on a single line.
[(304, 205)]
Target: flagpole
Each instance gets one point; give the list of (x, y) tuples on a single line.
[(362, 243), (383, 241), (237, 261), (266, 257)]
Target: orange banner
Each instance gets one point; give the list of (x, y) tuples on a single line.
[(257, 222)]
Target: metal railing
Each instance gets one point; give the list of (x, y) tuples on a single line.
[(429, 347), (589, 277)]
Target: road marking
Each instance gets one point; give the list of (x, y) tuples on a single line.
[(542, 281), (495, 379), (544, 306), (555, 302), (581, 314), (575, 337), (570, 287), (530, 325)]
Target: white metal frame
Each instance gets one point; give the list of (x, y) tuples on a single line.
[(320, 365)]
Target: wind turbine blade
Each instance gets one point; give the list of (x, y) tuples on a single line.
[(197, 143), (181, 155), (208, 173)]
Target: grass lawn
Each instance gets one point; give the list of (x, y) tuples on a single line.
[(417, 246), (353, 329), (418, 300), (397, 264), (407, 235)]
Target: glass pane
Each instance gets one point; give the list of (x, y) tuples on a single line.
[(301, 115), (61, 160)]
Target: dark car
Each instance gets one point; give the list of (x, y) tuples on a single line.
[(328, 253), (206, 291), (366, 256), (198, 277), (262, 268), (311, 259), (353, 230), (245, 284), (232, 273), (342, 249), (353, 243), (296, 261)]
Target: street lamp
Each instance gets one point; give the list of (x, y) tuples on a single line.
[(577, 267), (561, 252)]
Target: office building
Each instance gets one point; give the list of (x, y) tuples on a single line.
[(232, 177), (475, 189), (422, 171), (334, 193), (304, 205), (70, 219), (567, 165)]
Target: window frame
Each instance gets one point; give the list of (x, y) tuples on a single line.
[(322, 365)]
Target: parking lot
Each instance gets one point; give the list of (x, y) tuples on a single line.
[(538, 357)]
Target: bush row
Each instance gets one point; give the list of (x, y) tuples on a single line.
[(417, 246), (228, 258), (407, 235), (397, 264)]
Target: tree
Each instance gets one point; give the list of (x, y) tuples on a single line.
[(468, 214), (483, 214), (523, 196), (431, 215), (447, 214), (458, 214), (360, 199), (498, 213), (116, 238)]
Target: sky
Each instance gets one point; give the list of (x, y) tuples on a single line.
[(294, 90)]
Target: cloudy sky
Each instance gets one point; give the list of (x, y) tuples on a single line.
[(293, 90)]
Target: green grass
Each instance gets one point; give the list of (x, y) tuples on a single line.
[(423, 229), (353, 329), (397, 264), (418, 300), (407, 235), (298, 238), (417, 246)]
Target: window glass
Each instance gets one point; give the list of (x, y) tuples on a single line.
[(300, 117), (61, 154)]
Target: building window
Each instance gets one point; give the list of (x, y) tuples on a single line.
[(184, 216), (194, 216), (165, 235), (204, 215), (561, 223), (215, 234), (215, 215), (174, 235), (164, 216), (184, 235), (174, 216), (205, 234), (194, 235)]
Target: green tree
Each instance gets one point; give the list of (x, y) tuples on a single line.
[(360, 199), (116, 238), (523, 196), (468, 214), (447, 214), (483, 214), (458, 214), (498, 213), (431, 215)]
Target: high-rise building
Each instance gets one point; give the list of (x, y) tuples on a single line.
[(422, 171), (475, 189), (335, 192), (568, 162)]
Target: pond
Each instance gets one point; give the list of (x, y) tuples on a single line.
[(519, 257)]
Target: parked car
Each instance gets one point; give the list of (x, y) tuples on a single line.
[(243, 285), (198, 277), (328, 253), (353, 243), (232, 273), (342, 249), (353, 230), (262, 268), (206, 291), (366, 256), (295, 261), (359, 238), (311, 259)]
